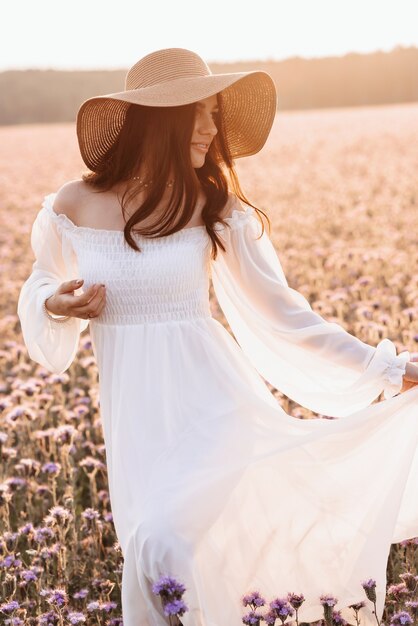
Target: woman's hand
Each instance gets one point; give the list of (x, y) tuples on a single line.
[(89, 304), (410, 378)]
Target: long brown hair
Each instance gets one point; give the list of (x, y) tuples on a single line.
[(157, 140)]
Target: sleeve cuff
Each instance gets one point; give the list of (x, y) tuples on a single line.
[(394, 367)]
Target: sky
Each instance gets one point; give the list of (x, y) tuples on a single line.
[(114, 34)]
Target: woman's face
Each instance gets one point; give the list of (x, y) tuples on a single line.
[(204, 130)]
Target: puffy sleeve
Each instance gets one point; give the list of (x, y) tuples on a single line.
[(316, 363), (50, 343)]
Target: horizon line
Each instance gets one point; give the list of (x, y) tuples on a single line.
[(214, 62)]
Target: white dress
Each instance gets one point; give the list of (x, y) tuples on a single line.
[(210, 480)]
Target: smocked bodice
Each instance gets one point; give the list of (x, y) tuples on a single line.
[(167, 280)]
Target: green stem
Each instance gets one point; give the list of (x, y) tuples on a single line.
[(375, 614)]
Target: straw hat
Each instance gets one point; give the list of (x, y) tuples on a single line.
[(173, 77)]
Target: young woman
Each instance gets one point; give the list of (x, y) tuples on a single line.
[(210, 480)]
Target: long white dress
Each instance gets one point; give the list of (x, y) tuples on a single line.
[(210, 480)]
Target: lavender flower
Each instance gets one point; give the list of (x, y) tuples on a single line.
[(412, 605), (26, 529), (175, 607), (328, 602), (64, 434), (42, 533), (253, 598), (91, 514), (28, 575), (9, 607), (58, 514), (270, 618), (295, 600), (46, 619), (76, 618), (51, 468), (168, 586), (369, 587), (398, 590), (281, 608), (252, 618), (337, 619), (170, 591), (401, 619), (58, 597)]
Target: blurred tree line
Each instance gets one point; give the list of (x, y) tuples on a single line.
[(33, 96)]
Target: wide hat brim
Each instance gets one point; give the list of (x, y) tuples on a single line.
[(248, 104)]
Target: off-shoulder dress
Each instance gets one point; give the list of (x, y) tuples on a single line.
[(210, 480)]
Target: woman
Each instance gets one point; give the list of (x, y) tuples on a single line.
[(210, 480)]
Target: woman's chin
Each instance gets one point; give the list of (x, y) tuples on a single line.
[(198, 160)]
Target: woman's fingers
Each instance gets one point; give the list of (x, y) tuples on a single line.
[(90, 303), (411, 372), (86, 297)]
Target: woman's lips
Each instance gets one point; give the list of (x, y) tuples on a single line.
[(201, 147)]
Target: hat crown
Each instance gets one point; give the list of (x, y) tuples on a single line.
[(165, 65)]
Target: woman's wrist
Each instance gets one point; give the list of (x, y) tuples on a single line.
[(53, 316)]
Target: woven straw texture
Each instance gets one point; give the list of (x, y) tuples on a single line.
[(174, 77)]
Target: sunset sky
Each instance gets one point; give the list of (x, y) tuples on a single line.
[(87, 34)]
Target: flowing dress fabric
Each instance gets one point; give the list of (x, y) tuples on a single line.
[(210, 480)]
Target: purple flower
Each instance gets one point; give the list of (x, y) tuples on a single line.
[(413, 606), (337, 619), (14, 483), (398, 590), (51, 468), (328, 601), (64, 433), (58, 514), (90, 514), (81, 594), (270, 618), (94, 605), (7, 561), (401, 619), (28, 575), (43, 533), (168, 586), (46, 619), (26, 529), (175, 607), (253, 598), (295, 600), (109, 606), (57, 596), (252, 618), (369, 587), (281, 608), (9, 607), (76, 618)]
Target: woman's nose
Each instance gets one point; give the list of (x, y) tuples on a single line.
[(208, 126)]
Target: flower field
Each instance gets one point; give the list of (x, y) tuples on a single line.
[(341, 190)]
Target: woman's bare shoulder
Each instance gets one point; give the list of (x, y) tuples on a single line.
[(70, 197)]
